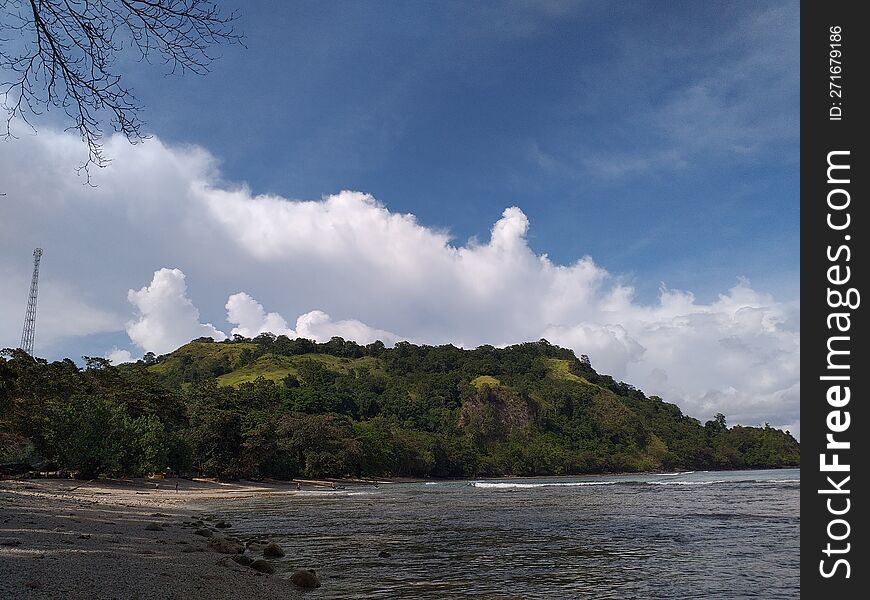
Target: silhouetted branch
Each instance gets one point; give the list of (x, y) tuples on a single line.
[(61, 54)]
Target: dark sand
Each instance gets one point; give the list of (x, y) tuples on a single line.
[(59, 540)]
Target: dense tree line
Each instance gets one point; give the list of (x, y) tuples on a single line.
[(339, 408)]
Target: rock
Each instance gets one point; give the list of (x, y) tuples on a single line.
[(262, 565), (85, 536), (243, 560), (273, 550), (222, 525), (383, 554), (204, 532), (230, 563), (305, 578), (225, 546), (153, 527)]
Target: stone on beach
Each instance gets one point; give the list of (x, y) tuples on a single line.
[(243, 560), (204, 532), (273, 550), (153, 527), (263, 566), (305, 578), (225, 545)]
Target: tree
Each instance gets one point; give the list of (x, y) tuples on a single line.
[(62, 54), (87, 434), (716, 425)]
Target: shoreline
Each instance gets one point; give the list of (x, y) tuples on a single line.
[(69, 539), (109, 539)]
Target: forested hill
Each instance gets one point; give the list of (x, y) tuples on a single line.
[(278, 407)]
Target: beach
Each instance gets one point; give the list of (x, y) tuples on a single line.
[(655, 535), (127, 540)]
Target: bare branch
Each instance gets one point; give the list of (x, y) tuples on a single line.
[(61, 54)]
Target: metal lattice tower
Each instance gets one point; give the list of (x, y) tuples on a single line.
[(30, 317)]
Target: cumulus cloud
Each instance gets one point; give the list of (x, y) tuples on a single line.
[(167, 318), (375, 271), (319, 326), (611, 345), (118, 356), (251, 320)]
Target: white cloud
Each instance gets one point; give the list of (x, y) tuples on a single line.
[(373, 270), (319, 326), (611, 345), (167, 318), (251, 320), (118, 356)]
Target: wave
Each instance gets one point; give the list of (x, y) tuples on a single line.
[(529, 485), (693, 482), (508, 485)]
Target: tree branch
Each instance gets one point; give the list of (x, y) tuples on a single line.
[(61, 54)]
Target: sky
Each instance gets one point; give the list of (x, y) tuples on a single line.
[(618, 178)]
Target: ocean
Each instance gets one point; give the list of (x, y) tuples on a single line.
[(732, 534)]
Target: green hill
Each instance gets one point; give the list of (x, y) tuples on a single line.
[(272, 406)]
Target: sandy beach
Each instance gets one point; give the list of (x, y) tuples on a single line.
[(132, 539)]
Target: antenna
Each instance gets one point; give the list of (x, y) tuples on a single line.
[(30, 317)]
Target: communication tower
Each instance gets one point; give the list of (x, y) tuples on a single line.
[(30, 317)]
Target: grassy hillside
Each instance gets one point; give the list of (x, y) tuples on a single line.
[(280, 407)]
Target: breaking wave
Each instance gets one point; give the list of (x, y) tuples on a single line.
[(508, 485), (520, 485)]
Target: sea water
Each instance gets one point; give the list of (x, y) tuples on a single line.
[(732, 534)]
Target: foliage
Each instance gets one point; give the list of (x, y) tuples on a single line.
[(276, 407)]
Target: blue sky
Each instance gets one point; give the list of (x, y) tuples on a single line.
[(495, 146), (660, 138)]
